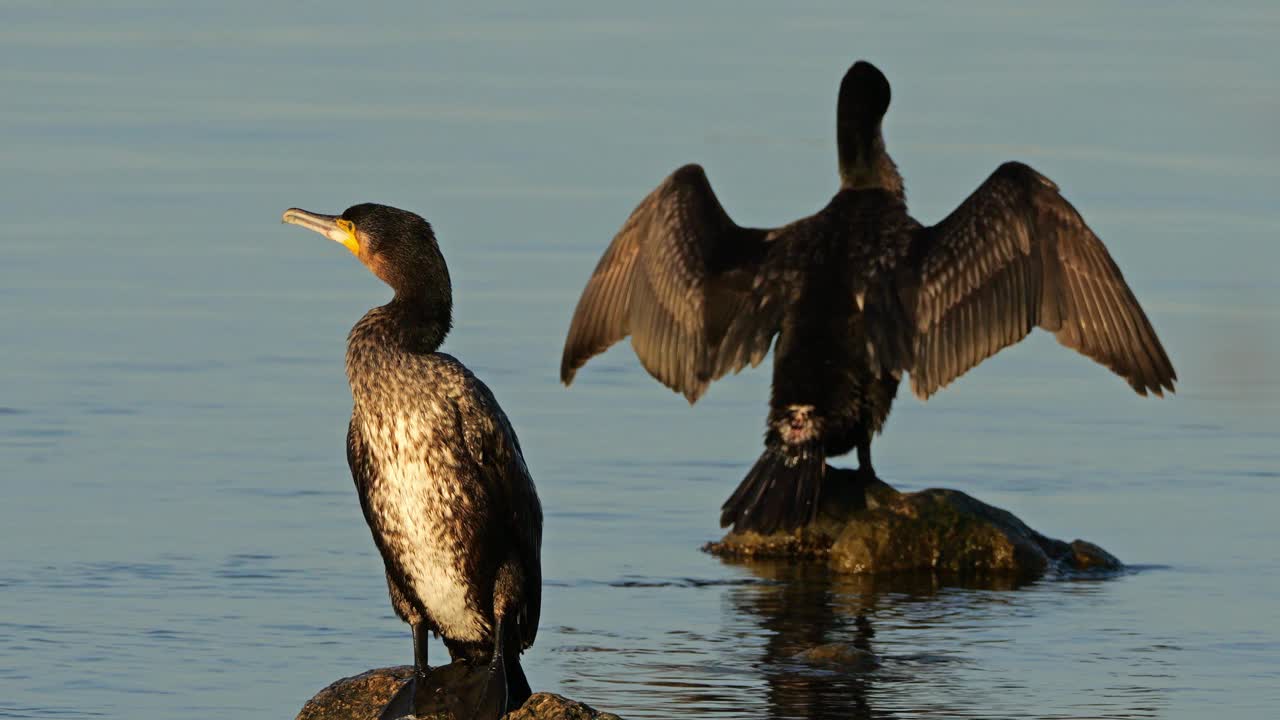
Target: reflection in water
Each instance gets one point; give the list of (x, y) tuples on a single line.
[(818, 662), (771, 639), (798, 613)]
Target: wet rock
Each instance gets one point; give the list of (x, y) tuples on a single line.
[(549, 706), (843, 656), (363, 696), (867, 527)]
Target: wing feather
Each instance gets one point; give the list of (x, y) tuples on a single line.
[(686, 283), (1015, 255), (497, 458)]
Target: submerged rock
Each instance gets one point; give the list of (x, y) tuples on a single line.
[(840, 655), (867, 527), (363, 696)]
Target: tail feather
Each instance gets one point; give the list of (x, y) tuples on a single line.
[(467, 690), (518, 690), (463, 689), (780, 492)]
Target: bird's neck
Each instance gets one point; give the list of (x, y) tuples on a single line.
[(413, 323), (864, 163)]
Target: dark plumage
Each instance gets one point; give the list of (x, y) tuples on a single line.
[(857, 294), (440, 475)]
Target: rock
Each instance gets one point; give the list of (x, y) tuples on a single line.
[(867, 527), (844, 656), (549, 706), (356, 698), (363, 696)]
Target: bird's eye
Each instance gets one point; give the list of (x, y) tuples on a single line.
[(347, 225)]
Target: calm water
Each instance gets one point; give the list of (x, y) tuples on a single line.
[(180, 538)]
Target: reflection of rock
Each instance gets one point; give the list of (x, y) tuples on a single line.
[(362, 698), (867, 527)]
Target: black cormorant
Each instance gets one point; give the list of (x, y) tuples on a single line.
[(857, 294), (440, 475)]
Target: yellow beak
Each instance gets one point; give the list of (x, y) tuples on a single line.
[(330, 226)]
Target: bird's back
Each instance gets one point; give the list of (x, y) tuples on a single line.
[(827, 262)]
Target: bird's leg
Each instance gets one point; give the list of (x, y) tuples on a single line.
[(423, 693), (866, 472), (493, 696), (412, 694), (420, 636)]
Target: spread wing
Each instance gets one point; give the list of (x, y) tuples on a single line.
[(683, 280), (495, 451), (1013, 256)]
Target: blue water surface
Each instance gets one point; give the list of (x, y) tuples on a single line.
[(180, 539)]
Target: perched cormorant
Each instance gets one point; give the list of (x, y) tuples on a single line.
[(857, 293), (440, 475)]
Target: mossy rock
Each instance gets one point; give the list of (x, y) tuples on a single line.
[(867, 527)]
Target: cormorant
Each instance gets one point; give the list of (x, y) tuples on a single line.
[(441, 478), (857, 294)]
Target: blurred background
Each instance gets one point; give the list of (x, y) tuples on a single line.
[(179, 536)]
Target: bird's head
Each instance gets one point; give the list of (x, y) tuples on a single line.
[(864, 95), (863, 101), (396, 245)]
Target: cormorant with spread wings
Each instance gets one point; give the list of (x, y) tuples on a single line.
[(857, 294)]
